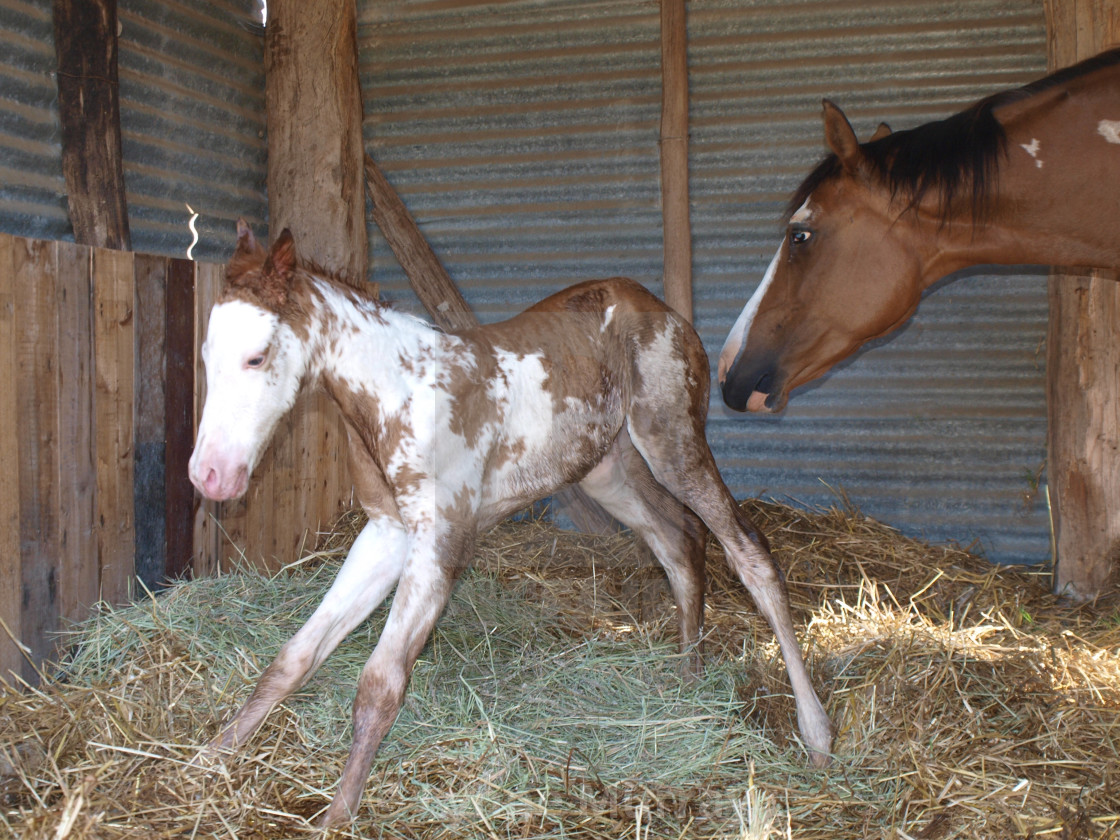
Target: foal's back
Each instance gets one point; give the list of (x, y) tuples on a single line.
[(596, 331)]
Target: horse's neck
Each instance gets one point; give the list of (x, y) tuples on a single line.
[(1057, 200)]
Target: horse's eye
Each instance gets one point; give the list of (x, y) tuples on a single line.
[(799, 236), (255, 362)]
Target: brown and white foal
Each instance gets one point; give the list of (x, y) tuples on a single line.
[(600, 385)]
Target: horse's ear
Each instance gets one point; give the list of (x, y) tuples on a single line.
[(246, 242), (840, 137), (282, 258), (276, 273), (882, 131), (247, 256)]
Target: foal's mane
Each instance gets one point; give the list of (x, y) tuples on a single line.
[(960, 154), (253, 274)]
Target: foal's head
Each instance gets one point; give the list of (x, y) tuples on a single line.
[(255, 363)]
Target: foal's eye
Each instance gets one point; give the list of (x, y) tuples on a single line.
[(799, 236), (255, 361)]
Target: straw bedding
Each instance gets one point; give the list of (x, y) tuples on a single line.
[(968, 703)]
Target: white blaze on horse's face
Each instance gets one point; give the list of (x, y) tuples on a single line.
[(737, 338), (254, 365)]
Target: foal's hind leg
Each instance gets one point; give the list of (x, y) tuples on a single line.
[(624, 486), (679, 457)]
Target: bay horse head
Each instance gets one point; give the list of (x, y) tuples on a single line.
[(847, 271), (1025, 176), (255, 364)]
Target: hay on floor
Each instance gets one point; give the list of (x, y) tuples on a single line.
[(968, 703)]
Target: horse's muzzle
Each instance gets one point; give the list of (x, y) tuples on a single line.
[(753, 387)]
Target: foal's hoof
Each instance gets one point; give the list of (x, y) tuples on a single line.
[(820, 760), (337, 816), (691, 668)]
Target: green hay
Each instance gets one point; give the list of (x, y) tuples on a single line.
[(548, 704)]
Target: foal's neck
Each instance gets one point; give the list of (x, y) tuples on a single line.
[(366, 343)]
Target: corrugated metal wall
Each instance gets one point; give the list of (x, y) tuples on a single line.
[(192, 123), (523, 136)]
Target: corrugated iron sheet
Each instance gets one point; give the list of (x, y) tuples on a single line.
[(32, 191), (192, 122), (523, 136)]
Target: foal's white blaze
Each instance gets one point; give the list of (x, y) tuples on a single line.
[(738, 335), (253, 370), (1109, 130)]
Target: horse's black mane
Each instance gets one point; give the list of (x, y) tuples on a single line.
[(957, 154)]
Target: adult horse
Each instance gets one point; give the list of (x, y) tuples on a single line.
[(1030, 175), (450, 433)]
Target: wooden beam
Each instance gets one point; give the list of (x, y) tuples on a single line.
[(316, 189), (85, 35), (426, 274), (675, 219), (1083, 356)]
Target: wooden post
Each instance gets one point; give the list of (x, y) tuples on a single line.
[(1083, 358), (85, 34), (315, 188), (315, 154), (676, 225)]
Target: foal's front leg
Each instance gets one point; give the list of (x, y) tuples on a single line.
[(425, 586), (371, 568)]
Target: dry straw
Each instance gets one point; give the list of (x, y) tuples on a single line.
[(968, 704)]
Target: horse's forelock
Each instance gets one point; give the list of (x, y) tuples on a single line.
[(828, 168)]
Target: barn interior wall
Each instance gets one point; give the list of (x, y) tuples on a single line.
[(192, 123), (523, 136)]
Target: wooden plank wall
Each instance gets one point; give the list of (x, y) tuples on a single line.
[(100, 362), (66, 441)]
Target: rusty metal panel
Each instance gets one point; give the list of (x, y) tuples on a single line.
[(523, 136), (192, 122)]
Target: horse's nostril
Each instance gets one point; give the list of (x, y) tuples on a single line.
[(764, 383)]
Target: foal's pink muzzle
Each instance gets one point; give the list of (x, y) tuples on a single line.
[(216, 477)]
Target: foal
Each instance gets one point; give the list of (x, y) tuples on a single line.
[(600, 385)]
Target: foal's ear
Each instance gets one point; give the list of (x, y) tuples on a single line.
[(840, 137), (247, 256), (246, 242), (282, 258), (275, 278)]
